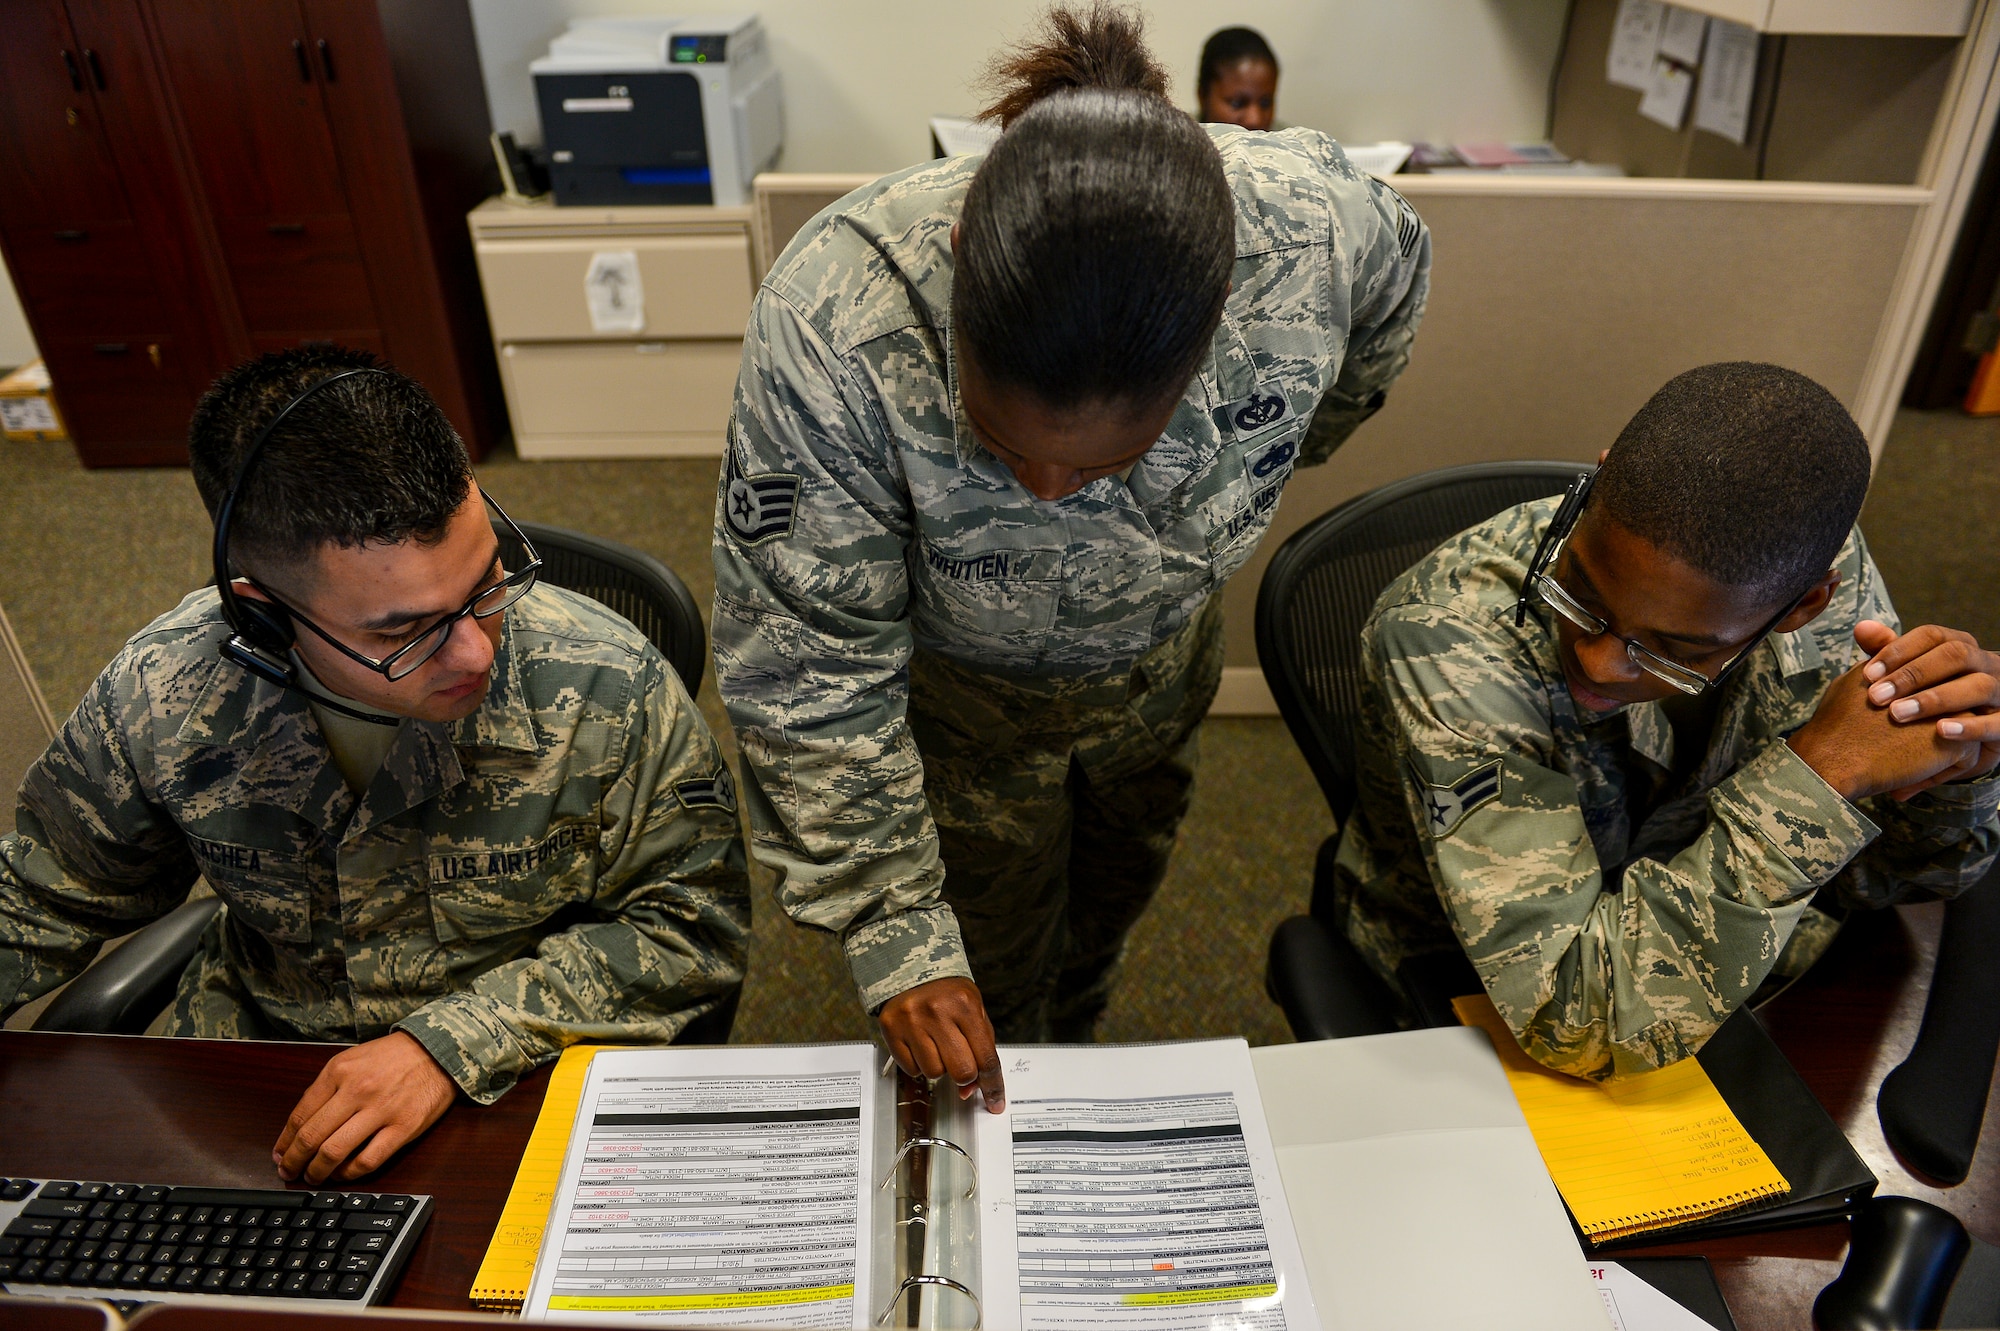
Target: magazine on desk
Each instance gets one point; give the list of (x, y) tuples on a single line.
[(807, 1186)]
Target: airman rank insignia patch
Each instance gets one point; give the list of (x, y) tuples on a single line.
[(718, 791), (1445, 807), (759, 507), (1264, 408)]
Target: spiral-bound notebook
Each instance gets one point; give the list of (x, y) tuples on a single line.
[(1636, 1154), (808, 1185)]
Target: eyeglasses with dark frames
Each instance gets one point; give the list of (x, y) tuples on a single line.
[(1541, 583), (483, 604)]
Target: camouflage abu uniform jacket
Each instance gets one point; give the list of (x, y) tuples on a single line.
[(857, 517), (562, 865), (1616, 919)]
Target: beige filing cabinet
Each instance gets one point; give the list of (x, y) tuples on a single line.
[(576, 392)]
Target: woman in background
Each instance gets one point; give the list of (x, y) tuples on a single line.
[(1238, 83)]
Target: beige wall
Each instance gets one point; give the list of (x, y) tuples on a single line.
[(862, 77), (1557, 308)]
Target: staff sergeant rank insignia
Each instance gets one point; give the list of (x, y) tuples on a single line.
[(759, 507), (1445, 807)]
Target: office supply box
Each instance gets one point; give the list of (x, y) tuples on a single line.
[(659, 110)]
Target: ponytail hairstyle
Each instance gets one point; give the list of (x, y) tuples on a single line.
[(1225, 47), (1096, 241)]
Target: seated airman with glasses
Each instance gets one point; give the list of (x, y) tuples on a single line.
[(1637, 750), (462, 820)]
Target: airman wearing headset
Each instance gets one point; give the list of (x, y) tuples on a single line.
[(457, 817)]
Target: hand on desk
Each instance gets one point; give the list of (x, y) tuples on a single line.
[(367, 1103), (940, 1029)]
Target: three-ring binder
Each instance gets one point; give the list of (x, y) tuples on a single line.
[(914, 1142), (911, 1281)]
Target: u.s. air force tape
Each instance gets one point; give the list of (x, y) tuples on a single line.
[(718, 791), (1445, 807), (759, 507)]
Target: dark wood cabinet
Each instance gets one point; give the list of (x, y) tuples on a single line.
[(193, 182)]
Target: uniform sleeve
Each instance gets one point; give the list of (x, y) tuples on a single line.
[(812, 652), (92, 856), (1595, 979), (666, 936), (1390, 266)]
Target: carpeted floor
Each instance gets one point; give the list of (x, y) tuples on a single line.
[(86, 558)]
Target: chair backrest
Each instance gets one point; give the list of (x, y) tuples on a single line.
[(783, 202), (1324, 581), (628, 581)]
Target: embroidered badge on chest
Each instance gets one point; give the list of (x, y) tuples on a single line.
[(759, 507), (1264, 408), (1445, 807)]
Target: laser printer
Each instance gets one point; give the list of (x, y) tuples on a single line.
[(659, 110)]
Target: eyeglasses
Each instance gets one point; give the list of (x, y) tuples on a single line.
[(1540, 583), (483, 604)]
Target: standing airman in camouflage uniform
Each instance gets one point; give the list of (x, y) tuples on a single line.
[(1624, 872), (968, 699), (559, 862)]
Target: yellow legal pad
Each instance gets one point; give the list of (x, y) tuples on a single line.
[(502, 1282), (1636, 1153)]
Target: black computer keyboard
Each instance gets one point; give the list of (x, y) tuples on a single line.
[(126, 1241)]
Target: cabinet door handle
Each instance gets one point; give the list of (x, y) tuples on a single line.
[(305, 69), (112, 348), (75, 75), (287, 228), (96, 69), (71, 237), (326, 60)]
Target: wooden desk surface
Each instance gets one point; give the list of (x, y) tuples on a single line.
[(124, 1109), (127, 1109)]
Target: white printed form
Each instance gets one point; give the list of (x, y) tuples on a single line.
[(715, 1187), (1136, 1187)]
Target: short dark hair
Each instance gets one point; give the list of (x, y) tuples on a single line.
[(1096, 240), (1225, 47), (371, 458), (1752, 474)]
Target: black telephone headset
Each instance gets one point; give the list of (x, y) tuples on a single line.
[(261, 633)]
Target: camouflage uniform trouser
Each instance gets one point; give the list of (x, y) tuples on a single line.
[(1057, 801)]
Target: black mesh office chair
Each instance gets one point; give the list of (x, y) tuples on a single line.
[(123, 992), (630, 582), (1317, 593)]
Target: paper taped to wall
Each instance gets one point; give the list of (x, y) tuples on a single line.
[(1728, 79), (1635, 42)]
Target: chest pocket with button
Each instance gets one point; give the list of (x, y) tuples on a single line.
[(483, 892), (988, 604)]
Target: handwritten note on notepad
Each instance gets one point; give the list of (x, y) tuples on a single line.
[(502, 1282), (1638, 1153)]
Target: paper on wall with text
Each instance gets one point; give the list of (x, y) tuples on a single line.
[(1728, 81), (1635, 43)]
